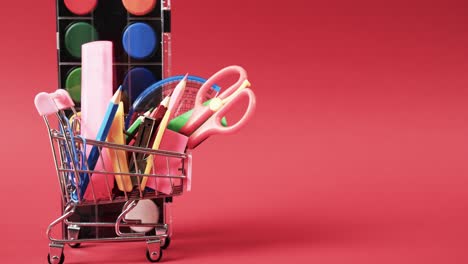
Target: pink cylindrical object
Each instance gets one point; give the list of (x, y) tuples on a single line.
[(96, 92)]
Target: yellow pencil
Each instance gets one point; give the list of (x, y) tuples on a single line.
[(119, 157)]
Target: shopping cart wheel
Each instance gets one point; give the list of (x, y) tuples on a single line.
[(152, 257), (167, 242), (55, 259), (76, 245), (73, 234), (55, 250), (153, 251)]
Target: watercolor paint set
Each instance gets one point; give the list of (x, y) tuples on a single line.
[(140, 34), (138, 29)]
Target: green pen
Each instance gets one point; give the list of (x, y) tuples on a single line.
[(133, 129), (178, 122)]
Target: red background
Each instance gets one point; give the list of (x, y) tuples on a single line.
[(357, 152)]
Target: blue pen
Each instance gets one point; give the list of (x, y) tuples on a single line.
[(102, 135)]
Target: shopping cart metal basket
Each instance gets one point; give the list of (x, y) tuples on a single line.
[(69, 155)]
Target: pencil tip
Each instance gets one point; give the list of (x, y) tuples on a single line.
[(117, 95), (183, 82), (165, 101)]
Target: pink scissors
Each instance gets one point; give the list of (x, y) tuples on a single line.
[(206, 120)]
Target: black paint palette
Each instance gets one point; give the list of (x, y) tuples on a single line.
[(138, 29)]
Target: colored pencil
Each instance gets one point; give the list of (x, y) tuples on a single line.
[(133, 129), (173, 103), (105, 127)]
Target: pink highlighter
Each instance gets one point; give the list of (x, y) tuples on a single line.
[(96, 92)]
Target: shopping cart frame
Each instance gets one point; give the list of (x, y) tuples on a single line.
[(65, 144)]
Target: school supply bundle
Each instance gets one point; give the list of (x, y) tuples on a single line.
[(126, 128), (149, 159)]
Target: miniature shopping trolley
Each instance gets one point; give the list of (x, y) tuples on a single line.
[(78, 190)]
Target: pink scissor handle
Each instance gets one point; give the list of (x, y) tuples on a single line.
[(200, 112), (213, 124)]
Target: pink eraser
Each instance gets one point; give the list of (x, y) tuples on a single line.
[(96, 92), (171, 141)]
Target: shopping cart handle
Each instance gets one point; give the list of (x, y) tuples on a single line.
[(62, 99), (50, 103), (45, 105)]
